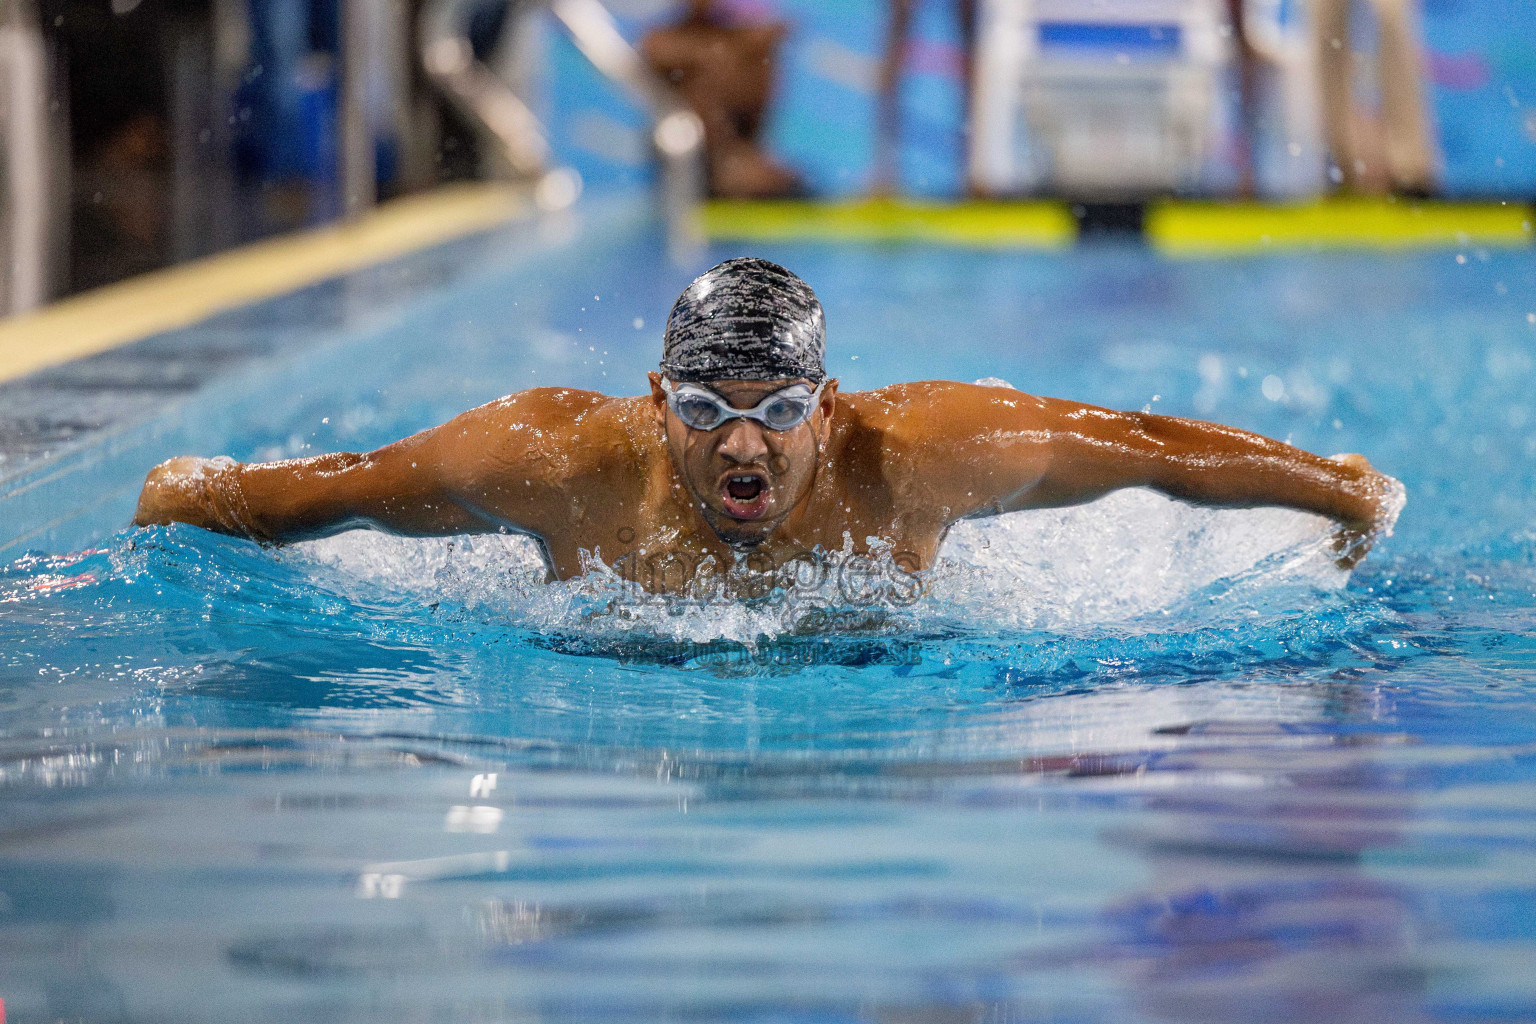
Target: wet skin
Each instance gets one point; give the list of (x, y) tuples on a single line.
[(624, 480)]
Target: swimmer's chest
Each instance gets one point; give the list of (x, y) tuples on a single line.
[(663, 555), (651, 533)]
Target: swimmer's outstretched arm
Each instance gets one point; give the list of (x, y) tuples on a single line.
[(1008, 451), (481, 472), (301, 499)]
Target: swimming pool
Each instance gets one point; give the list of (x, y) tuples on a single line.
[(1135, 762)]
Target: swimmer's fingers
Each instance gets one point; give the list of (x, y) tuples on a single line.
[(1383, 497), (167, 490), (182, 490), (1350, 545), (1352, 542)]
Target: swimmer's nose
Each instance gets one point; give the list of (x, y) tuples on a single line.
[(743, 442)]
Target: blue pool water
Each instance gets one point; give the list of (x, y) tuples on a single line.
[(1133, 762)]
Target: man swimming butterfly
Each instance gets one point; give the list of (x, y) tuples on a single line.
[(744, 453)]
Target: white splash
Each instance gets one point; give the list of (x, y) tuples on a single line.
[(1123, 558), (1128, 555)]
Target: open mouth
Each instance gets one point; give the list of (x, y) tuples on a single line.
[(744, 495)]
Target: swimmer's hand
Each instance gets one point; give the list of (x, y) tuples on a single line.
[(1381, 499), (198, 491)]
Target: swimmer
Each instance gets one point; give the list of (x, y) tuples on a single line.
[(744, 452)]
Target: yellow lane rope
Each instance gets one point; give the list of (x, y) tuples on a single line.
[(1175, 227), (1197, 229), (1034, 225)]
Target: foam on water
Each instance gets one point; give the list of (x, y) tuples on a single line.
[(193, 624), (1123, 561)]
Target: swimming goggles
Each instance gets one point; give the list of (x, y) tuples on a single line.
[(702, 409)]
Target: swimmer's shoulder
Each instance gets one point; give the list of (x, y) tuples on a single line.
[(552, 404), (572, 425), (550, 409), (928, 409)]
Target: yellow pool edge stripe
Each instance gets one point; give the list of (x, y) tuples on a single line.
[(1216, 228), (163, 300), (1043, 224)]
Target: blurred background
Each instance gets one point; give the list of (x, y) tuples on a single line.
[(143, 133)]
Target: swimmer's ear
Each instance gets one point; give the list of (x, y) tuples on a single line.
[(658, 400)]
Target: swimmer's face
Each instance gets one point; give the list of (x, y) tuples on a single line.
[(745, 477)]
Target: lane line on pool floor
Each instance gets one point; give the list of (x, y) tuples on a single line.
[(114, 315)]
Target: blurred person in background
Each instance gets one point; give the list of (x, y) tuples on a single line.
[(117, 93), (288, 142), (725, 73), (892, 63), (1392, 152), (1246, 137)]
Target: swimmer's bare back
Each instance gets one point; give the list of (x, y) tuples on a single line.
[(581, 471)]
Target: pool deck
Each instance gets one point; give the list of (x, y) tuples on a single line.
[(95, 363), (95, 321), (86, 384)]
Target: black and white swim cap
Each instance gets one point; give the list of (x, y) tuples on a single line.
[(746, 319)]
